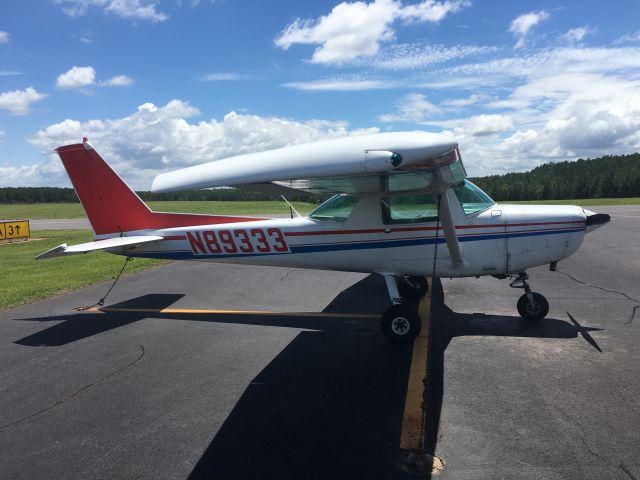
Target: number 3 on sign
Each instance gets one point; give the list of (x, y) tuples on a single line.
[(15, 230)]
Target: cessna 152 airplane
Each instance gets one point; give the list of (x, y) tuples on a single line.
[(397, 197)]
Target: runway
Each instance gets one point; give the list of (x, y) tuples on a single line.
[(221, 371)]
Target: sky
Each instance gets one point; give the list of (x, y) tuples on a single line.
[(160, 85)]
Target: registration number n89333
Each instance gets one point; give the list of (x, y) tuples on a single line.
[(237, 241)]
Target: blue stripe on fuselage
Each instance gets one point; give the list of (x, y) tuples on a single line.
[(335, 247)]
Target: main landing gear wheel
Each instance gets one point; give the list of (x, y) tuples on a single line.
[(413, 288), (534, 309), (401, 323)]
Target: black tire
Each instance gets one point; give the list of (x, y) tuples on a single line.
[(535, 312), (413, 288), (400, 323)]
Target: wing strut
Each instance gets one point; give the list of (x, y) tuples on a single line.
[(449, 228)]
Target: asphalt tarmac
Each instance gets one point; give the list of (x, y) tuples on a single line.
[(277, 373), (59, 224)]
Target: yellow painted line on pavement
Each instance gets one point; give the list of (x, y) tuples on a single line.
[(233, 312), (412, 418)]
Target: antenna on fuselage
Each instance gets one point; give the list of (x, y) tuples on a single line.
[(291, 209)]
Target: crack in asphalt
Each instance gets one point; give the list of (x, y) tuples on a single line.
[(623, 467), (77, 392), (633, 312), (286, 274), (586, 445)]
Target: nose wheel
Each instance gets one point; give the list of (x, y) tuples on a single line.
[(532, 306)]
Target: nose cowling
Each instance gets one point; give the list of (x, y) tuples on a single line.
[(595, 220)]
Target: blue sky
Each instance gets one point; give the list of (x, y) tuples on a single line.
[(159, 85)]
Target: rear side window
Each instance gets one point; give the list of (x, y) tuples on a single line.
[(337, 208)]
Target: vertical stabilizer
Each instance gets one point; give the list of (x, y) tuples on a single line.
[(112, 207)]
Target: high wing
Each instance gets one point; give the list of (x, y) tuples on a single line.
[(343, 165), (114, 245)]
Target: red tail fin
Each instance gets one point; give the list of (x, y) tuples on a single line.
[(112, 207)]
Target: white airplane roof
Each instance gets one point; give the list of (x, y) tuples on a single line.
[(355, 156)]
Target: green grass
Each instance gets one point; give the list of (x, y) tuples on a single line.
[(21, 211), (584, 202), (25, 279), (231, 208)]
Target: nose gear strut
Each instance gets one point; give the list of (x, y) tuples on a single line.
[(532, 306)]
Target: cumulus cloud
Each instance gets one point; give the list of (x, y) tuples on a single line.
[(430, 10), (76, 77), (556, 104), (594, 113), (157, 138), (414, 107), (465, 101), (130, 9), (478, 125), (356, 29), (521, 25), (628, 38), (18, 102), (576, 35), (84, 38), (117, 81), (4, 37), (34, 175), (83, 77)]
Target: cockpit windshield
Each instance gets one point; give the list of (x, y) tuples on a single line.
[(471, 198)]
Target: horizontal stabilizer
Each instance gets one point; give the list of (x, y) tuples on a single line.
[(112, 244)]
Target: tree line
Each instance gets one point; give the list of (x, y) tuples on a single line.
[(68, 195), (605, 177)]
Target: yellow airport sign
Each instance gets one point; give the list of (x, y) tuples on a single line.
[(14, 229)]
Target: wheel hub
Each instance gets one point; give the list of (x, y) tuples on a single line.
[(533, 308), (400, 325)]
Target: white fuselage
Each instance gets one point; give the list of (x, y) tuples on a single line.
[(501, 239)]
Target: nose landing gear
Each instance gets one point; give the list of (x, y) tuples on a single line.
[(412, 287), (532, 306)]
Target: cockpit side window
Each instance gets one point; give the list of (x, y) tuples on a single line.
[(337, 208), (471, 198), (416, 208)]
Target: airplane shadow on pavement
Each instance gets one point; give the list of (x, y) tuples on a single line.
[(330, 404)]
